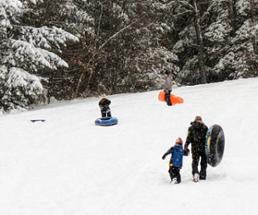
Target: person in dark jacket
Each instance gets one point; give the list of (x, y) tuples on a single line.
[(168, 87), (176, 160), (104, 107), (197, 137)]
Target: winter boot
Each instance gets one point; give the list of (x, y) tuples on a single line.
[(195, 177), (202, 177)]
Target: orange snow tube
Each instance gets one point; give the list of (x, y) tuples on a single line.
[(173, 98)]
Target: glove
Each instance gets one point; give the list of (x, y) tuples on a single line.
[(186, 152), (163, 157)]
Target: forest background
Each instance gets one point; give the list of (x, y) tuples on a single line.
[(66, 49)]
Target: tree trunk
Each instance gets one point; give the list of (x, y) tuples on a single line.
[(253, 20), (200, 44), (92, 59), (232, 14)]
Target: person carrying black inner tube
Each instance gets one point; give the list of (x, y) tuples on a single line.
[(197, 137), (104, 107), (168, 87)]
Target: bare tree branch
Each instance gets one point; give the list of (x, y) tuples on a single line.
[(96, 52)]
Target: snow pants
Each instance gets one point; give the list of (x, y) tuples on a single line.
[(105, 111), (167, 97), (174, 172), (196, 156)]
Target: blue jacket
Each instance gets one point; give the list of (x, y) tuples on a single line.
[(177, 153)]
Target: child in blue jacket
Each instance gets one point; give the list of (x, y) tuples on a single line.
[(176, 160)]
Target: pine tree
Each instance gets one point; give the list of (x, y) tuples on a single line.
[(226, 40), (241, 59), (25, 53), (131, 47)]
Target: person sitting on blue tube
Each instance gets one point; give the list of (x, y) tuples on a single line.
[(104, 108)]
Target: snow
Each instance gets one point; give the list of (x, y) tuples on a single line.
[(242, 7), (35, 1), (26, 55), (46, 37), (7, 10), (67, 165), (218, 31), (19, 78), (19, 89), (244, 31)]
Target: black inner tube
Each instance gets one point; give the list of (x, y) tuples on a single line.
[(215, 144)]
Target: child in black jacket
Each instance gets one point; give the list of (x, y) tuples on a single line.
[(104, 108)]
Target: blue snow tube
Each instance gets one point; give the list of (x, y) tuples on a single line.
[(106, 121)]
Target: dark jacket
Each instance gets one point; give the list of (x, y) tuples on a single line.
[(168, 83), (104, 102), (177, 153), (196, 136)]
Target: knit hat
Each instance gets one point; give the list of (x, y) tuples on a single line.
[(198, 119), (179, 141)]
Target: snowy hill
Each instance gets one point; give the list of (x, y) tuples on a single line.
[(68, 166)]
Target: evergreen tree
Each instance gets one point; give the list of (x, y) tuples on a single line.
[(132, 47), (227, 39), (122, 46), (240, 58), (25, 52)]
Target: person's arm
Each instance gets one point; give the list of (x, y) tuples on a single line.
[(188, 139), (108, 102), (167, 153), (101, 102), (205, 130)]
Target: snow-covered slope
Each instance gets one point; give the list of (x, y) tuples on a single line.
[(68, 166)]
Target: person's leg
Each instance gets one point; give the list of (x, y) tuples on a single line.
[(203, 166), (178, 176), (170, 171), (167, 97), (195, 162), (103, 112), (108, 112)]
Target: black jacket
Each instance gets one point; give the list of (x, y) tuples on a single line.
[(196, 136), (104, 102)]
